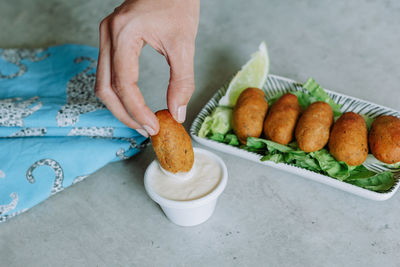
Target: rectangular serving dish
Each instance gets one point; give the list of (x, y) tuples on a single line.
[(275, 85)]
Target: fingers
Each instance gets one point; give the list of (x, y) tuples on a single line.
[(181, 84), (125, 73), (103, 87)]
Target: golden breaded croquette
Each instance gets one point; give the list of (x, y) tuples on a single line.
[(313, 127), (384, 139), (281, 120), (348, 141), (249, 113), (172, 144)]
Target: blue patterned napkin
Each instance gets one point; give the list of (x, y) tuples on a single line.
[(53, 130)]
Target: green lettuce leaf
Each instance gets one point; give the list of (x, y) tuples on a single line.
[(304, 99), (254, 142), (216, 137), (307, 162), (231, 139), (205, 128), (277, 158), (373, 181), (281, 153), (220, 122), (318, 94), (330, 165)]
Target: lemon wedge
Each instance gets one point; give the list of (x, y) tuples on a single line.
[(253, 74)]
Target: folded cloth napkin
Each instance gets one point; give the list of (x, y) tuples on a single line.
[(53, 130)]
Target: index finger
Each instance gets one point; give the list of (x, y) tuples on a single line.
[(103, 87), (125, 74)]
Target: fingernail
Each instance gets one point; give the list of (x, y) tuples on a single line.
[(149, 129), (142, 132), (181, 114)]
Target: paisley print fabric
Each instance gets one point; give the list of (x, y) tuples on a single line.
[(54, 132)]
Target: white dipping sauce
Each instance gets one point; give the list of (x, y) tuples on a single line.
[(207, 174)]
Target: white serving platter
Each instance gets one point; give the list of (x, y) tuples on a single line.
[(275, 85)]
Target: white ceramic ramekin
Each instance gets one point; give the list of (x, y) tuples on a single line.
[(190, 212)]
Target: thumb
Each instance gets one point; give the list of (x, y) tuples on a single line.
[(181, 83)]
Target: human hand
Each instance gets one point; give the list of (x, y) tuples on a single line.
[(170, 27)]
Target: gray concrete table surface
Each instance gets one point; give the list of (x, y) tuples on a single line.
[(265, 217)]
